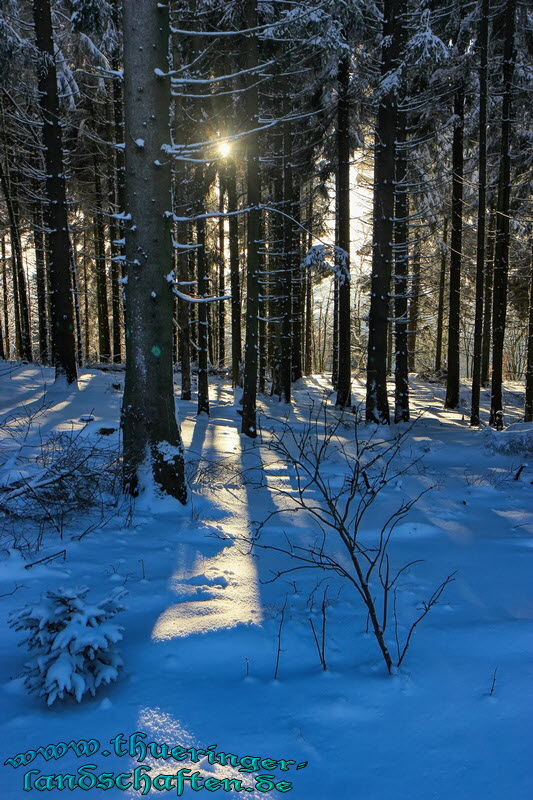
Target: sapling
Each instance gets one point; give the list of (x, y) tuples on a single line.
[(369, 468), (74, 642)]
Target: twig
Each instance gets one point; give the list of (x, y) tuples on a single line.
[(279, 637), (316, 640), (324, 604), (433, 600), (47, 558), (493, 683), (8, 594)]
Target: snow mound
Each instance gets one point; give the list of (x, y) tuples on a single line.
[(516, 439)]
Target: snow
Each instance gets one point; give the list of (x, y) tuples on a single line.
[(515, 440), (201, 629)]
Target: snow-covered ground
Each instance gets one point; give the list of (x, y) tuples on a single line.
[(204, 617)]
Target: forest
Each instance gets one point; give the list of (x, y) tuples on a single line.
[(266, 387)]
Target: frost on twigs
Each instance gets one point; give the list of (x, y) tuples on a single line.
[(74, 643)]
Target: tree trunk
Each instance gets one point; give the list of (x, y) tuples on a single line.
[(5, 301), (86, 316), (40, 280), (308, 340), (440, 309), (286, 265), (456, 245), (414, 306), (104, 341), (76, 302), (528, 404), (253, 233), (344, 380), (115, 237), (59, 266), (377, 404), (202, 310), (263, 313), (153, 451), (4, 335), (481, 212), (20, 293), (221, 276), (298, 296), (335, 342), (487, 301), (184, 316), (501, 252), (276, 263), (235, 278), (401, 266)]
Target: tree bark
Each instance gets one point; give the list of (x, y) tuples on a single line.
[(401, 267), (308, 340), (221, 275), (456, 246), (40, 281), (414, 306), (253, 233), (377, 404), (286, 266), (153, 451), (487, 301), (7, 340), (184, 341), (76, 302), (235, 278), (344, 380), (116, 248), (202, 310), (481, 215), (501, 252), (440, 309), (20, 292), (104, 341), (528, 400), (59, 257)]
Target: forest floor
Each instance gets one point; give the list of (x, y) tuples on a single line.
[(205, 620)]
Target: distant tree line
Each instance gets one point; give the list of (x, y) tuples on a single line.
[(176, 190)]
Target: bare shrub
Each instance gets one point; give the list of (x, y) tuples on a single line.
[(56, 482), (340, 507)]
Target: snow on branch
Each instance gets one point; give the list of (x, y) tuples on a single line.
[(189, 299), (244, 31), (424, 45), (330, 257), (231, 76)]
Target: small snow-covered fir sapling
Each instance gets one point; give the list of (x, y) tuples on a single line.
[(74, 642)]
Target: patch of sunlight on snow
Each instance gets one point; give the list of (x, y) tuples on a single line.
[(221, 592), (59, 406), (228, 596), (459, 533), (161, 727), (519, 516), (85, 379), (33, 399)]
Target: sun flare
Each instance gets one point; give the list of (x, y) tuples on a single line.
[(224, 148)]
